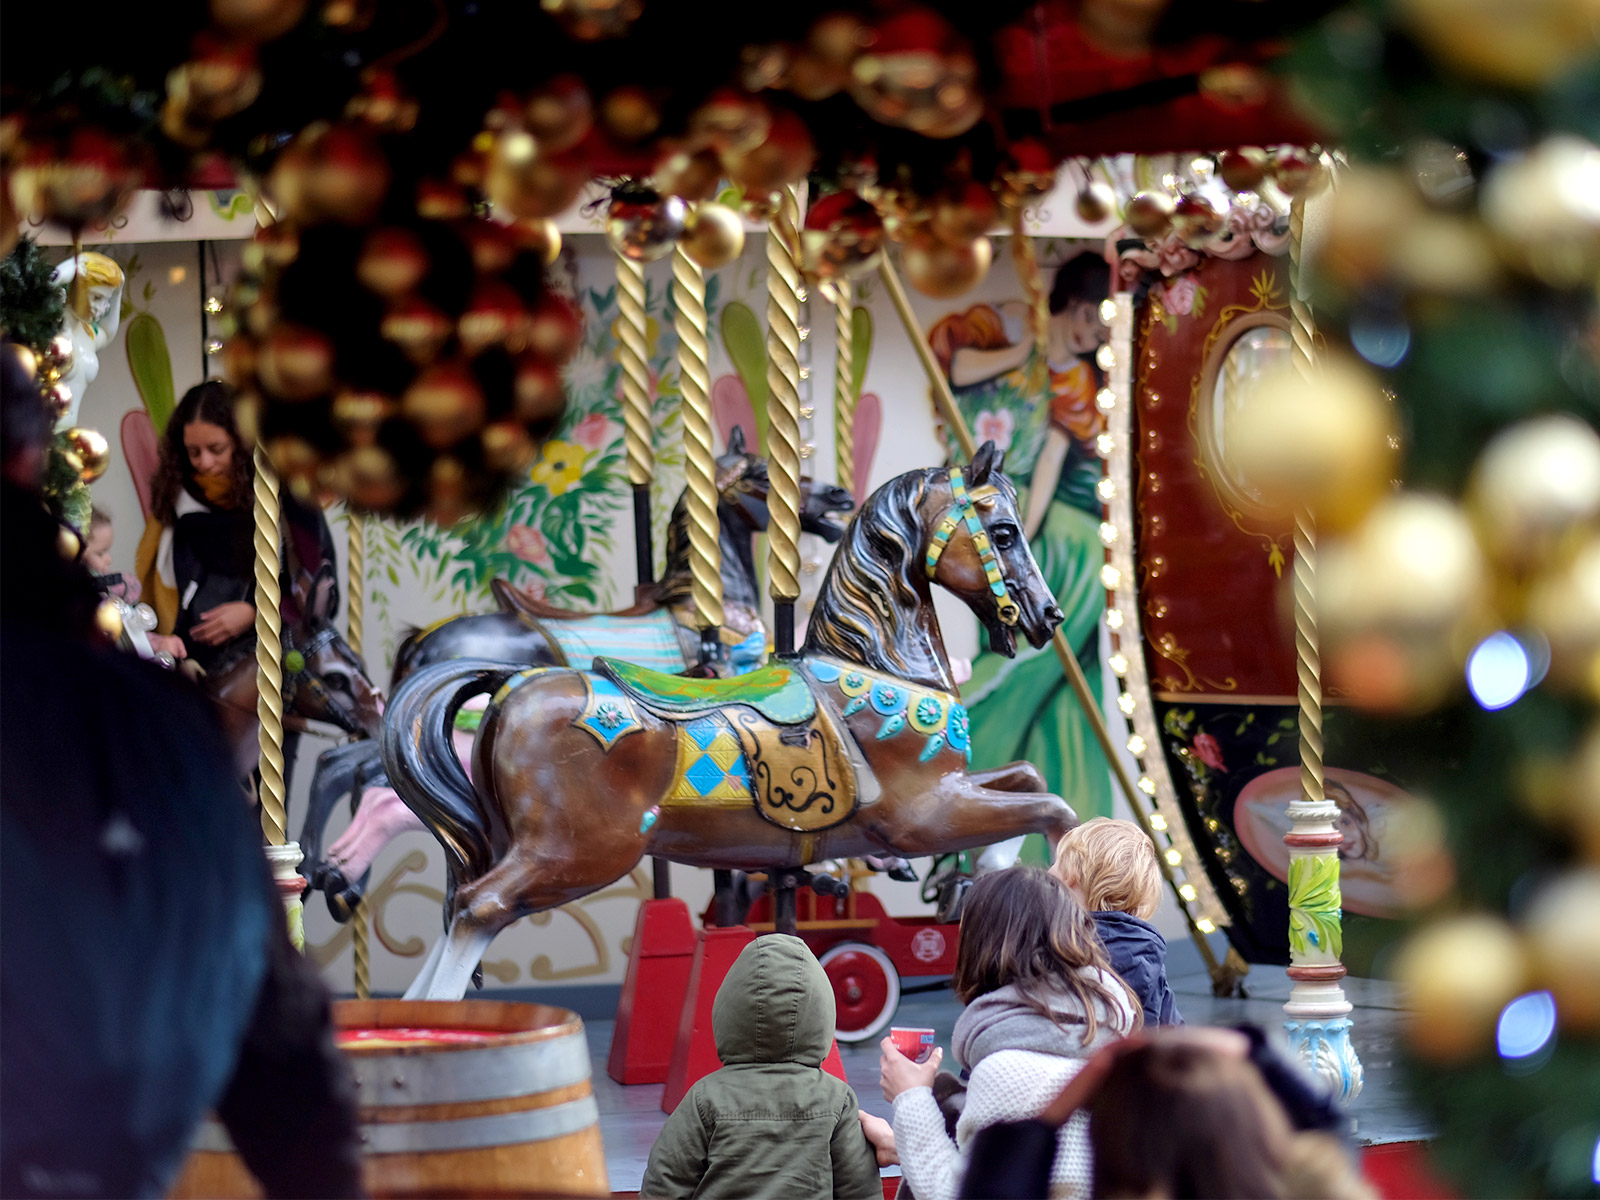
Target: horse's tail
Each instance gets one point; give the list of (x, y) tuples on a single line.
[(420, 758)]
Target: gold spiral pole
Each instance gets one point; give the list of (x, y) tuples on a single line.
[(844, 388), (356, 623), (269, 651), (1024, 254), (700, 464), (783, 416), (1308, 659), (634, 360)]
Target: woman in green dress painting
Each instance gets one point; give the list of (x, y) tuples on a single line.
[(1023, 708)]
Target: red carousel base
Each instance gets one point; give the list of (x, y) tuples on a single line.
[(659, 963), (694, 1055)]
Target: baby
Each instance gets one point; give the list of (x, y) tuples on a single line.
[(1111, 867), (97, 557)]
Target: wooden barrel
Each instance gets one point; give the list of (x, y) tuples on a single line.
[(498, 1103)]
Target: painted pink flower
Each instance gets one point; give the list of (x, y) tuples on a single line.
[(528, 544), (1180, 295), (1208, 751), (593, 433), (997, 427)]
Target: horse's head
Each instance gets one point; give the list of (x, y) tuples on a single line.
[(744, 485), (325, 680), (978, 553)]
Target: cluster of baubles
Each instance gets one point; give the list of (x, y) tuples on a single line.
[(400, 346)]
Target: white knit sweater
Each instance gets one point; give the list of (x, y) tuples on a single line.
[(1008, 1085)]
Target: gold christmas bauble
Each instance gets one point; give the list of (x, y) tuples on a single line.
[(357, 415), (370, 478), (539, 236), (1195, 219), (1455, 976), (1298, 172), (1149, 214), (108, 619), (92, 449), (216, 84), (529, 183), (444, 404), (418, 328), (1321, 443), (1582, 807), (1543, 213), (784, 156), (592, 20), (920, 74), (560, 114), (690, 176), (555, 328), (963, 212), (1243, 169), (1536, 492), (297, 463), (1401, 603), (84, 178), (1097, 202), (257, 20), (392, 262), (331, 173), (643, 225), (1564, 605), (1368, 217), (507, 446), (1563, 929), (1515, 43), (730, 122), (939, 269), (448, 487), (537, 391), (493, 317), (630, 114), (295, 363), (843, 237), (713, 236)]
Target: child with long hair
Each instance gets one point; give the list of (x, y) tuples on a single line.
[(1040, 1000)]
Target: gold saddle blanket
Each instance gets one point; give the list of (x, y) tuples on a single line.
[(793, 759)]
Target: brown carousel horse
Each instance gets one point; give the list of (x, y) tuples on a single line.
[(324, 680), (857, 746)]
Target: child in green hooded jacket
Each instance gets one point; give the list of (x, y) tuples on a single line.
[(771, 1122)]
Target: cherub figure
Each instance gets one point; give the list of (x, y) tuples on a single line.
[(93, 315)]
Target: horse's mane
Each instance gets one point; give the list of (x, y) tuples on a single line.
[(866, 611), (676, 584)]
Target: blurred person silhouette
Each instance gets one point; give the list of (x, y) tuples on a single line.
[(146, 974)]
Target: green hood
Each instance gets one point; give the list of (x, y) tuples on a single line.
[(774, 1006)]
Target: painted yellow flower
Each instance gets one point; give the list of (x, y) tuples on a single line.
[(560, 466)]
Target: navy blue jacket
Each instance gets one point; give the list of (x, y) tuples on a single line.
[(1139, 954)]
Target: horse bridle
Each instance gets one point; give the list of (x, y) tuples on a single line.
[(296, 659), (965, 509)]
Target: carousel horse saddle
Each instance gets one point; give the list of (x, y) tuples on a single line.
[(778, 692), (760, 738)]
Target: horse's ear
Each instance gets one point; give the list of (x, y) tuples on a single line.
[(736, 440), (985, 462), (322, 598)]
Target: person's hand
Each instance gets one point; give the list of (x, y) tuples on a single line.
[(170, 644), (223, 623), (897, 1073), (881, 1134)]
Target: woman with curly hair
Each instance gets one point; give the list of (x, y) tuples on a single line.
[(196, 561)]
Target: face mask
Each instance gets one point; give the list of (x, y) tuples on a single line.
[(217, 489)]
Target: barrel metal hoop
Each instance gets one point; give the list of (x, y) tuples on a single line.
[(473, 1133), (467, 1076)]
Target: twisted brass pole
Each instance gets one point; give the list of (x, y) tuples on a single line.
[(783, 416), (844, 386), (269, 651), (637, 432), (1308, 659), (700, 464), (1026, 259), (356, 623)]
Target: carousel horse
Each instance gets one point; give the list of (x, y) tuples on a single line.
[(658, 631), (324, 680), (856, 746)]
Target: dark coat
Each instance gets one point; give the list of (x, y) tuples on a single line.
[(1139, 954), (771, 1122), (147, 974)]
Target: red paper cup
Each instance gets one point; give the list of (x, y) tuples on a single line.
[(915, 1043)]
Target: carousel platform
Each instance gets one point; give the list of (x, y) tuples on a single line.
[(630, 1117)]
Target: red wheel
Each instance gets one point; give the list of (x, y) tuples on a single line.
[(866, 990)]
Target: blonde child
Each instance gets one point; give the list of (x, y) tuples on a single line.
[(1111, 867), (97, 557)]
